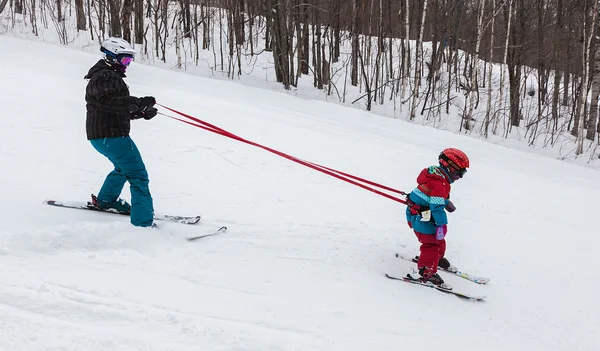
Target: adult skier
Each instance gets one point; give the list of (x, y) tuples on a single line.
[(109, 111), (426, 214)]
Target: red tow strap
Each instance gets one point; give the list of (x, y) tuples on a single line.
[(329, 171)]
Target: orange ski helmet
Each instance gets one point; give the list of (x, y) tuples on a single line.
[(455, 161)]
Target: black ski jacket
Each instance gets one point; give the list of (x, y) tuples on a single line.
[(107, 102)]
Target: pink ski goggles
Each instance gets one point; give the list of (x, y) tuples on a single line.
[(124, 60)]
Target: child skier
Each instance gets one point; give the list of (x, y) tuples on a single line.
[(109, 111), (425, 212)]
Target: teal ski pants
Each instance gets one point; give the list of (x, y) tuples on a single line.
[(129, 167)]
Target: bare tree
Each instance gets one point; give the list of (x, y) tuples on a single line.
[(488, 110), (418, 54), (282, 50), (472, 89), (357, 9), (115, 18), (138, 15), (593, 117), (126, 19), (588, 25), (558, 40), (3, 5), (508, 16), (80, 14), (405, 50)]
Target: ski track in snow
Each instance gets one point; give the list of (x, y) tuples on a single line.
[(302, 264)]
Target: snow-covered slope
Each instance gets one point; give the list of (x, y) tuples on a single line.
[(301, 267)]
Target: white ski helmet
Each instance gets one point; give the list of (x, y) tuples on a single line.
[(113, 47)]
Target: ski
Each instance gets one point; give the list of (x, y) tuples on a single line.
[(411, 280), (223, 229), (458, 273), (86, 205)]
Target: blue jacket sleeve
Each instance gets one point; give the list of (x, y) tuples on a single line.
[(437, 207)]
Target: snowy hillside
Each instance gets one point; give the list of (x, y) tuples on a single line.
[(302, 264)]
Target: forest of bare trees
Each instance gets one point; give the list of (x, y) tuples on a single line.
[(504, 64)]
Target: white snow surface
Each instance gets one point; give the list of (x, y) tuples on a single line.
[(302, 264)]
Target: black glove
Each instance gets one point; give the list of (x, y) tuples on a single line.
[(143, 112), (146, 101), (150, 113)]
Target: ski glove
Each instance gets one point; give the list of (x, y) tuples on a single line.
[(450, 206), (146, 101), (150, 113), (441, 231), (145, 112)]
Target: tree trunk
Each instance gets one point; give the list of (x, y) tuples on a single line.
[(18, 6), (419, 60), (3, 5), (514, 78), (566, 66), (138, 15), (278, 27), (405, 51), (317, 64), (186, 18), (378, 60), (115, 23), (206, 27), (357, 7), (558, 40), (80, 14), (336, 30), (593, 117), (250, 29), (59, 13), (305, 41), (473, 89), (489, 73), (126, 19), (100, 9), (587, 76), (514, 66)]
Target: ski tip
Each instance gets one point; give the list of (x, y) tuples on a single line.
[(218, 231), (196, 220), (476, 298), (462, 295)]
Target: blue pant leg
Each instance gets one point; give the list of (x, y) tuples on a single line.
[(112, 187), (142, 207), (124, 154), (115, 180)]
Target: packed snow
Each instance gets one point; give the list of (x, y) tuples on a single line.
[(302, 264)]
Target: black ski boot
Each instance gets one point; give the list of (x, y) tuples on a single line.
[(428, 276), (120, 206), (445, 265)]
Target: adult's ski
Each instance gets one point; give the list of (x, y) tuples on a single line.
[(87, 205), (458, 273), (410, 279)]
